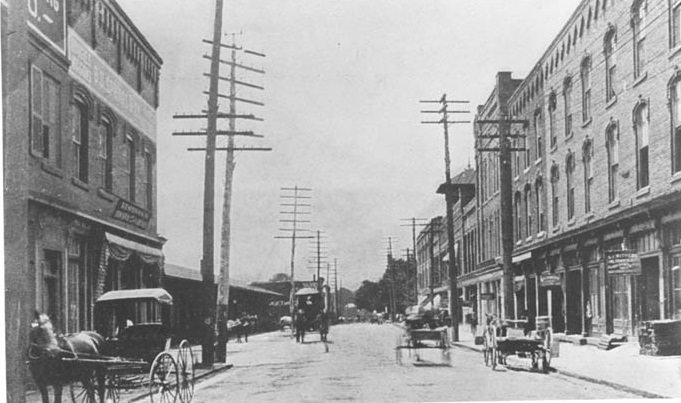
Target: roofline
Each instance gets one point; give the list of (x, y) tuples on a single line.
[(137, 32)]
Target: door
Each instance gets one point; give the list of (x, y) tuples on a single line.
[(649, 289), (621, 303), (574, 302), (557, 313)]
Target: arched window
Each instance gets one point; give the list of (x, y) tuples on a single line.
[(539, 144), (567, 96), (638, 25), (675, 95), (570, 185), (610, 65), (518, 218), (612, 148), (585, 73), (539, 204), (554, 195), (587, 160), (528, 210), (79, 138), (552, 119), (641, 123)]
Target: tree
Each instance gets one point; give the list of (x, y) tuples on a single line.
[(397, 282), (368, 296), (279, 277)]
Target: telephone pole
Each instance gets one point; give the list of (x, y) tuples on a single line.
[(293, 208), (319, 258), (504, 149), (413, 251), (391, 276), (445, 122)]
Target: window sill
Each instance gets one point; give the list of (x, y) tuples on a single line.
[(674, 51), (556, 228), (571, 222), (587, 122), (643, 192), (516, 178), (79, 183), (541, 235), (519, 242), (52, 170), (529, 239), (526, 170), (553, 148), (640, 79), (569, 136), (104, 194), (614, 204), (676, 178), (611, 102), (589, 215), (538, 161)]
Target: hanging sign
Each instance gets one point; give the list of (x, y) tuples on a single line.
[(128, 212), (549, 279), (47, 19), (623, 262)]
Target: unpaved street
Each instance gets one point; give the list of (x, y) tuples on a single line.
[(360, 366)]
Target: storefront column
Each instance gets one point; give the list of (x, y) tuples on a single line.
[(549, 297)]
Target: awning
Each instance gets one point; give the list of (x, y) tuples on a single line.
[(158, 294), (132, 245), (521, 257), (306, 291)]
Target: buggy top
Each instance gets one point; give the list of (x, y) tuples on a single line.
[(158, 294)]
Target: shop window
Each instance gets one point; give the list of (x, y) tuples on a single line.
[(52, 293), (641, 124), (676, 286), (620, 297), (595, 292), (45, 105)]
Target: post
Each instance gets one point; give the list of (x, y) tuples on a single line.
[(506, 196)]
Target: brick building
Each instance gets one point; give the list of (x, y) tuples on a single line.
[(597, 195), (80, 92)]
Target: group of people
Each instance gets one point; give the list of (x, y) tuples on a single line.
[(243, 326), (302, 324)]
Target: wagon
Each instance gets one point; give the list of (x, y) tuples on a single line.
[(537, 346), (136, 352), (426, 346)]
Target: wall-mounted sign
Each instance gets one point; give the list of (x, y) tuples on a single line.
[(128, 212), (487, 296), (47, 19), (549, 279), (622, 262)]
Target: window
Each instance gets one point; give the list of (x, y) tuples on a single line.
[(149, 189), (105, 153), (52, 293), (538, 135), (79, 137), (676, 285), (586, 89), (588, 174), (638, 28), (528, 210), (612, 146), (552, 119), (130, 151), (567, 95), (554, 195), (539, 205), (80, 287), (45, 116), (675, 91), (569, 181), (641, 127), (610, 65), (676, 26), (594, 293), (518, 218)]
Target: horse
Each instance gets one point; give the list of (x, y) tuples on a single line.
[(46, 353)]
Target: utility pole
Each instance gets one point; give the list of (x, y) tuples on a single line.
[(445, 122), (413, 251), (299, 193), (335, 287), (391, 276), (318, 259), (504, 149)]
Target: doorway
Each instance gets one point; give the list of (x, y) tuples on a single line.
[(574, 302), (649, 290)]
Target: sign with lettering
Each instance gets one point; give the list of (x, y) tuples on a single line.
[(47, 19), (623, 262), (94, 73), (549, 279), (128, 212)]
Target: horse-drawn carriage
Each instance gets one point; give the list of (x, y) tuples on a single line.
[(129, 349), (425, 340), (502, 341)]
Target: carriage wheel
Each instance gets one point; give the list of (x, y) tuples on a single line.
[(83, 388), (185, 363), (163, 379), (112, 392), (494, 357), (548, 339)]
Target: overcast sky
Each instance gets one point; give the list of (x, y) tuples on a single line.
[(342, 84)]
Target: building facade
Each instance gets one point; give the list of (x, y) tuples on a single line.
[(80, 92), (597, 194)]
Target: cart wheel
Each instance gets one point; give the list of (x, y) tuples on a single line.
[(493, 357), (163, 379), (185, 363), (112, 392), (83, 388), (548, 339), (545, 364)]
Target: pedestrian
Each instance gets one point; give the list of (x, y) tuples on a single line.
[(588, 318), (323, 321), (474, 323), (238, 328), (300, 323), (245, 326)]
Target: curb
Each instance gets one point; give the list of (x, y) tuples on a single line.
[(205, 375), (614, 385)]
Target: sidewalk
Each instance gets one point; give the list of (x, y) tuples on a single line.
[(623, 367)]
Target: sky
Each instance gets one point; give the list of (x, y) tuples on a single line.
[(343, 80)]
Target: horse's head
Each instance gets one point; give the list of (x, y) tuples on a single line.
[(42, 333)]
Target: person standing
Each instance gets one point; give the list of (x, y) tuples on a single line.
[(300, 323), (588, 314), (245, 326)]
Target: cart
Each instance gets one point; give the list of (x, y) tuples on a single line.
[(536, 346), (425, 346), (136, 353)]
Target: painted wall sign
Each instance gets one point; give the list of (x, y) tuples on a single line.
[(549, 279), (128, 212), (94, 73), (48, 19), (623, 262)]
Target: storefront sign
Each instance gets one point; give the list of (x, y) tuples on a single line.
[(93, 72), (47, 19), (487, 296), (128, 212), (622, 262), (549, 279)]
